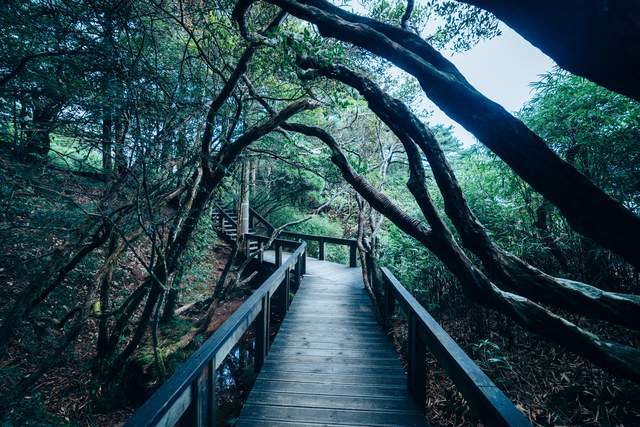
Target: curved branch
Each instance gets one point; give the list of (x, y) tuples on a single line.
[(587, 208), (404, 21), (509, 271)]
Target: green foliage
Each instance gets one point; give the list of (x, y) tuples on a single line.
[(197, 273), (463, 25), (72, 154), (592, 128), (319, 225), (490, 355)]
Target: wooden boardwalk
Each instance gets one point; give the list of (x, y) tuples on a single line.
[(330, 363)]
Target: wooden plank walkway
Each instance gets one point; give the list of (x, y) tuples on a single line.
[(330, 363)]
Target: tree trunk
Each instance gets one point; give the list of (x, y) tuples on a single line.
[(38, 135), (107, 161)]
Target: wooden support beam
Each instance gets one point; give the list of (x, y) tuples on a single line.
[(262, 333), (278, 254), (321, 243), (352, 255), (388, 307), (416, 361)]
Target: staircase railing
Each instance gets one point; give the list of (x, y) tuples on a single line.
[(486, 400), (223, 215), (189, 396), (255, 218)]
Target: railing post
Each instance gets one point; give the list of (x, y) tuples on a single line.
[(388, 307), (370, 273), (416, 362), (278, 254), (213, 393), (284, 294), (352, 255), (262, 333), (304, 262), (202, 412), (321, 249), (246, 244), (297, 273), (261, 252)]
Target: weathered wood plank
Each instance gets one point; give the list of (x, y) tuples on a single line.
[(398, 381), (290, 351), (338, 416), (334, 369), (337, 402), (333, 389)]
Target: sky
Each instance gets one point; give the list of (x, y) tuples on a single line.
[(502, 69)]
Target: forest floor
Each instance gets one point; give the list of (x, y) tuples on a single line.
[(547, 383), (32, 223)]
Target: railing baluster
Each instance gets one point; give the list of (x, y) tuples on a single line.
[(304, 262), (262, 333), (416, 361), (352, 255), (283, 293), (278, 254), (287, 288), (321, 249), (371, 275), (213, 393), (388, 306), (297, 273)]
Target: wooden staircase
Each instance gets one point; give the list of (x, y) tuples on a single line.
[(226, 221)]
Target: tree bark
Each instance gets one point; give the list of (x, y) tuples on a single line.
[(594, 39)]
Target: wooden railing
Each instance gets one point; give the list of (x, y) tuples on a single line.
[(486, 400), (255, 218), (189, 396)]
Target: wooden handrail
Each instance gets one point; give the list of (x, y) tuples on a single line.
[(253, 215), (322, 240), (190, 392), (487, 401)]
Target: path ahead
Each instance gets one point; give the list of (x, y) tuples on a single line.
[(330, 363)]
